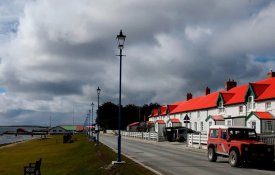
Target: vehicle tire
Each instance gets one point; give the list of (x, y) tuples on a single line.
[(212, 156), (234, 158)]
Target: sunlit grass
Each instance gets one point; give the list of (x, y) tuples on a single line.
[(80, 157)]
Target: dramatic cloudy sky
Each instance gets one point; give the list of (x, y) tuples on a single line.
[(55, 53)]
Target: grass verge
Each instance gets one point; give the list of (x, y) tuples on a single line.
[(78, 158)]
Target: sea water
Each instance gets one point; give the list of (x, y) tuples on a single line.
[(6, 139)]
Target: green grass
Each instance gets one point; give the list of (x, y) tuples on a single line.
[(80, 157)]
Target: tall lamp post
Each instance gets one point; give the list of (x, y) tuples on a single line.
[(98, 93), (89, 115), (92, 118), (120, 44)]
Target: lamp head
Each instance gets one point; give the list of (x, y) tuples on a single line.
[(98, 91), (120, 40)]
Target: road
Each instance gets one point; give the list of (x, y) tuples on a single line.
[(177, 159)]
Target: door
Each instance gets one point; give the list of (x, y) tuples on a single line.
[(222, 146)]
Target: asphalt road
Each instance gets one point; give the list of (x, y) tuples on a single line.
[(176, 159)]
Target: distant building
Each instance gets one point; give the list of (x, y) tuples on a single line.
[(65, 129)]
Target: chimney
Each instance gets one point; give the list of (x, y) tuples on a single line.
[(207, 90), (189, 96), (270, 74), (230, 84)]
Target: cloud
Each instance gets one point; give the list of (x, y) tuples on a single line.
[(55, 54)]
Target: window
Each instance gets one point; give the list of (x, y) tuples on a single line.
[(268, 105), (199, 114), (268, 125), (251, 103), (253, 124), (195, 126), (214, 133), (210, 124), (240, 109), (224, 134), (201, 126), (229, 123), (221, 107)]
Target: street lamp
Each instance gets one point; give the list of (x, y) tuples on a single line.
[(92, 118), (98, 93), (120, 44), (89, 115)]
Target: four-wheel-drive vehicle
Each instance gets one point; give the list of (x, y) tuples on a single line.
[(239, 144), (177, 133)]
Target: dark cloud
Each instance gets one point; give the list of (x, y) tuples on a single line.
[(63, 51)]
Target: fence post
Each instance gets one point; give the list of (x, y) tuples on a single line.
[(191, 140), (199, 140)]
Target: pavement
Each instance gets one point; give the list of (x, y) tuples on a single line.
[(164, 144)]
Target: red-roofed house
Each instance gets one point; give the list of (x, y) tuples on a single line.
[(237, 105), (263, 122), (159, 126), (173, 122), (215, 120), (132, 126)]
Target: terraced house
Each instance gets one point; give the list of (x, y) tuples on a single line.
[(251, 105)]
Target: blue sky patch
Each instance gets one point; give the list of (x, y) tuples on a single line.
[(264, 59), (2, 90)]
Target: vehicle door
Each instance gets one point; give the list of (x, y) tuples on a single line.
[(222, 146)]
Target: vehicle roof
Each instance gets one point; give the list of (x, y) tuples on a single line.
[(228, 127)]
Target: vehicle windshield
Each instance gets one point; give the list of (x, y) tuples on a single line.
[(243, 134)]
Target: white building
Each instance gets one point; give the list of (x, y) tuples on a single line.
[(251, 105)]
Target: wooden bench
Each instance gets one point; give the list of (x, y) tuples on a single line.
[(33, 168)]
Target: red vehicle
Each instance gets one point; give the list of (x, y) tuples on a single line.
[(239, 144)]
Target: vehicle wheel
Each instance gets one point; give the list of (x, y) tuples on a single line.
[(212, 156), (234, 158)]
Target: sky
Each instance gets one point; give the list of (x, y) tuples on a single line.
[(55, 53)]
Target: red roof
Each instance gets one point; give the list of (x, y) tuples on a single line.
[(172, 107), (264, 89), (155, 112), (79, 128), (163, 110), (235, 95), (203, 102), (217, 118), (133, 124), (175, 120), (264, 115), (160, 122)]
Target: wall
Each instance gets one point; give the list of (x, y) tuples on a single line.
[(258, 123)]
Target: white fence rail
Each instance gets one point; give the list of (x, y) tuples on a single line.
[(141, 135), (197, 140)]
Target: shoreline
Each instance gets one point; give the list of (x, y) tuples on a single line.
[(5, 145)]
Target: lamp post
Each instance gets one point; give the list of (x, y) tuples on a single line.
[(92, 118), (89, 115), (120, 41), (98, 93)]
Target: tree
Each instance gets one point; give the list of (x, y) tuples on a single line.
[(108, 114)]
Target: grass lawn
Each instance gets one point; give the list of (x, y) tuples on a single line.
[(80, 157)]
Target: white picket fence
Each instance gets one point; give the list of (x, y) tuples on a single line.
[(141, 135), (197, 140)]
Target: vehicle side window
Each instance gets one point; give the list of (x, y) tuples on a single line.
[(213, 133), (224, 134)]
